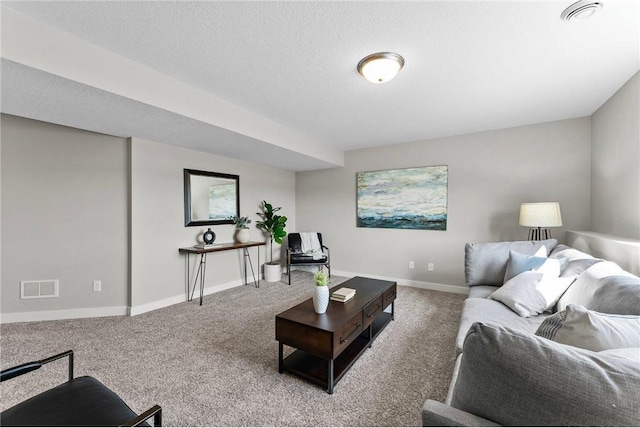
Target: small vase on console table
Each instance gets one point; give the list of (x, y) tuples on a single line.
[(243, 236)]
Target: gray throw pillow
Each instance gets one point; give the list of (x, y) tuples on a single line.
[(519, 263), (486, 263), (573, 262), (618, 294), (583, 289), (518, 379), (531, 293), (577, 326)]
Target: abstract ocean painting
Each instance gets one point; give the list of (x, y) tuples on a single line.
[(409, 198)]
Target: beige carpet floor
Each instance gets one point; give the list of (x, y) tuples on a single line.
[(216, 364)]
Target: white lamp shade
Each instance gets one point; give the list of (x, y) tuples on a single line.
[(380, 67), (541, 214)]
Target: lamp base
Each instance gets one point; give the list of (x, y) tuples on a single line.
[(538, 234)]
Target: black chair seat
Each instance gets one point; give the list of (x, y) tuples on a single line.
[(306, 258), (83, 401)]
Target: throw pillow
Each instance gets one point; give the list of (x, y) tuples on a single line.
[(577, 326), (515, 378), (617, 294), (531, 293), (485, 264), (539, 262), (572, 261), (582, 291)]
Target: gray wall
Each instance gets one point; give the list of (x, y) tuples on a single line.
[(157, 219), (615, 168), (64, 215), (79, 206), (490, 174)]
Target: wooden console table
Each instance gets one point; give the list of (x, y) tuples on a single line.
[(203, 263), (328, 344)]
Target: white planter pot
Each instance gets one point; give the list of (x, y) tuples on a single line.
[(272, 272), (320, 299), (243, 236)]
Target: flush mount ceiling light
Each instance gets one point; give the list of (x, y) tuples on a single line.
[(380, 67), (580, 10)]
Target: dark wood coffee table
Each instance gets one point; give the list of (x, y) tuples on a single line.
[(328, 344)]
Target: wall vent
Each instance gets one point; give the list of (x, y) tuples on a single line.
[(40, 289)]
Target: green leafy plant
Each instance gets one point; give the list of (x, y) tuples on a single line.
[(321, 278), (240, 222), (273, 224)]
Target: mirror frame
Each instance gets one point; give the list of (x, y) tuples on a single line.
[(187, 197)]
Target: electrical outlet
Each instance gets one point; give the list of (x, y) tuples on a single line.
[(97, 285), (430, 267), (411, 264)]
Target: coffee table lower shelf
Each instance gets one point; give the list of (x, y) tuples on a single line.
[(315, 369)]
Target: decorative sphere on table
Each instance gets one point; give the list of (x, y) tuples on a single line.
[(209, 236)]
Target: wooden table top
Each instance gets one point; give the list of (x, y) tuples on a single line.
[(338, 313), (223, 246)]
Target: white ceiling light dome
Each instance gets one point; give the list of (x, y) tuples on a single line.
[(380, 67), (581, 10)]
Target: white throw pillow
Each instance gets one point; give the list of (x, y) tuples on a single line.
[(531, 293), (577, 326)]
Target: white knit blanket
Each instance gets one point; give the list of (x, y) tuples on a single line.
[(311, 245)]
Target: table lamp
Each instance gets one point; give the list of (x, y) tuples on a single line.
[(539, 217)]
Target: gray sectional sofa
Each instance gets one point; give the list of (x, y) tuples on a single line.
[(564, 351)]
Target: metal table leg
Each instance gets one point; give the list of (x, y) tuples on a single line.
[(247, 257), (203, 266), (280, 359), (200, 273)]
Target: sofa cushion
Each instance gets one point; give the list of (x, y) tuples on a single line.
[(516, 378), (580, 327), (531, 293), (632, 354), (490, 311), (482, 291), (584, 288), (519, 263), (486, 263)]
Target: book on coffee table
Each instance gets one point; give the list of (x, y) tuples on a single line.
[(341, 300), (343, 294)]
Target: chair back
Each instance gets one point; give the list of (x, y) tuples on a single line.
[(294, 243)]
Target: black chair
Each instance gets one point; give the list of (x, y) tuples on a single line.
[(81, 401), (295, 256)]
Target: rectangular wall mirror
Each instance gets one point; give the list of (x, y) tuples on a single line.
[(210, 197)]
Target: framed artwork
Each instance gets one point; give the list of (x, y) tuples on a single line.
[(210, 197), (408, 198)]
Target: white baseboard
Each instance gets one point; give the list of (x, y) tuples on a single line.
[(62, 314), (110, 311), (409, 282), (179, 298), (163, 303)]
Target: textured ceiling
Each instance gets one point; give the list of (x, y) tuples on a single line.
[(470, 65)]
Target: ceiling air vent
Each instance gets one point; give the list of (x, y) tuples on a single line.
[(580, 10)]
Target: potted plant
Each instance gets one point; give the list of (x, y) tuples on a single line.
[(321, 292), (274, 225), (242, 226)]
